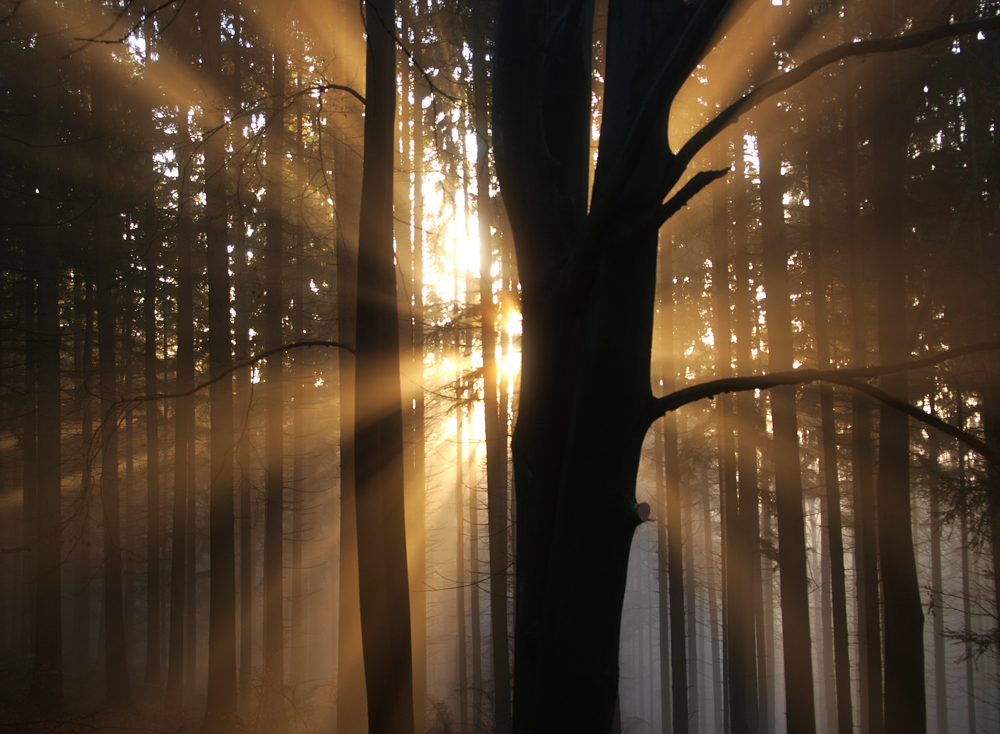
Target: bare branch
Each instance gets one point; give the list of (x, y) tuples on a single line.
[(852, 378), (780, 83), (241, 365), (679, 200)]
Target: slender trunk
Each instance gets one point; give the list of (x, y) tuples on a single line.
[(834, 549), (83, 612), (463, 655), (726, 437), (418, 540), (905, 708), (244, 397), (180, 557), (796, 642), (47, 687), (496, 438), (936, 605), (662, 585), (221, 713), (273, 704), (351, 714), (152, 476), (865, 516), (694, 702), (742, 521), (118, 694), (383, 583), (672, 502)]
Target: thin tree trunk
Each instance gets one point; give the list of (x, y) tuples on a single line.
[(463, 654), (671, 502), (831, 477), (694, 701), (118, 694), (273, 704), (152, 476), (742, 523), (796, 641), (378, 439), (936, 605), (46, 683), (180, 559), (905, 708), (351, 715), (496, 438), (221, 714)]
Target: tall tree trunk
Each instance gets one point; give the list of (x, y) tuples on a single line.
[(221, 715), (496, 436), (936, 605), (46, 682), (905, 708), (180, 559), (691, 620), (152, 476), (865, 520), (29, 474), (118, 694), (796, 644), (418, 538), (726, 437), (83, 611), (244, 397), (463, 653), (378, 439), (273, 703), (351, 715), (831, 476), (742, 520), (662, 584), (671, 501)]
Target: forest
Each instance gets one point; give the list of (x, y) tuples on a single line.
[(472, 366)]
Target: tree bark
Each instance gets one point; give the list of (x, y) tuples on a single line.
[(152, 475), (119, 693), (221, 715), (273, 701), (378, 439), (797, 644)]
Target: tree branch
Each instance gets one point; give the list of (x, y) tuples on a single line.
[(248, 363), (780, 83), (850, 377), (687, 192)]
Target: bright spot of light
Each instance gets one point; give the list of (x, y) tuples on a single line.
[(319, 382)]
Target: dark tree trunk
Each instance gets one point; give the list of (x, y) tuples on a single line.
[(152, 476), (671, 503), (118, 694), (46, 682), (905, 708), (180, 558), (797, 644), (865, 520), (936, 605), (273, 703), (221, 715), (831, 476), (351, 715), (742, 520), (378, 439), (463, 652), (496, 437)]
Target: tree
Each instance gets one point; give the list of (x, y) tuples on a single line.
[(587, 268), (378, 436)]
